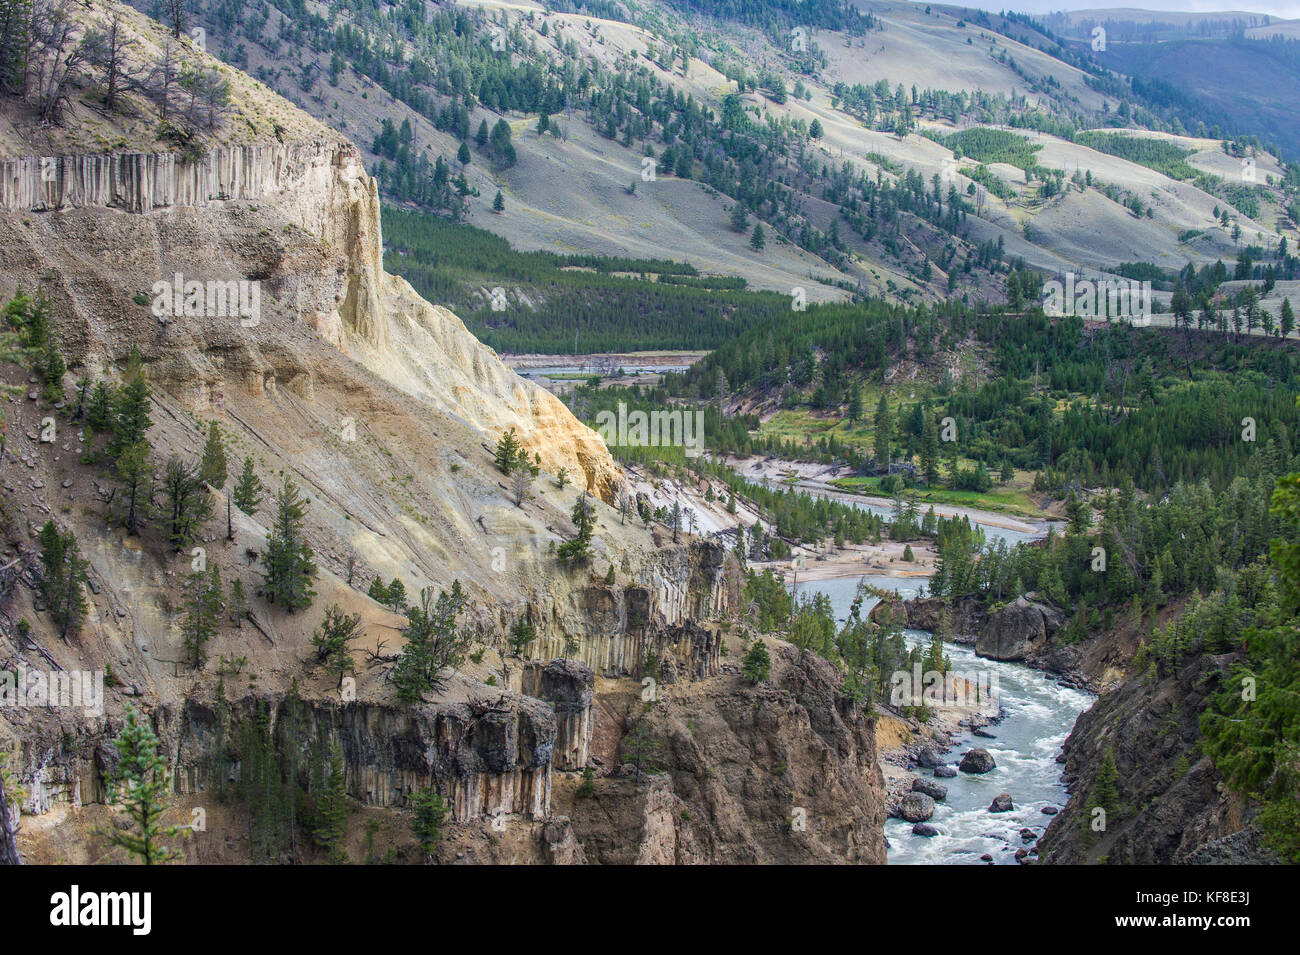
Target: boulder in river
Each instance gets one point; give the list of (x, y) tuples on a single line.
[(986, 858), (944, 772), (916, 807), (1001, 803), (983, 734), (924, 829), (1028, 835), (930, 788), (1017, 630), (929, 758), (1049, 810), (977, 761)]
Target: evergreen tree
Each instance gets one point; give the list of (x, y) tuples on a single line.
[(855, 404), (202, 611), (288, 568), (641, 747), (462, 154), (332, 810), (237, 605), (131, 421), (139, 785), (396, 596), (134, 470), (522, 633), (99, 409), (498, 203), (508, 452), (739, 217), (188, 504), (333, 638), (248, 489), (757, 664), (757, 241), (52, 368), (434, 643), (426, 824), (212, 466), (62, 577), (584, 519), (378, 592), (884, 428)]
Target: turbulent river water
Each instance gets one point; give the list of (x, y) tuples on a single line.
[(1038, 715)]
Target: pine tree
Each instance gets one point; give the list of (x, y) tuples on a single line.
[(288, 568), (855, 404), (508, 452), (188, 505), (396, 596), (63, 574), (332, 811), (1105, 785), (584, 519), (641, 747), (333, 638), (248, 489), (499, 203), (430, 811), (462, 154), (134, 470), (99, 409), (757, 241), (52, 369), (378, 592), (522, 633), (212, 466), (884, 428), (202, 611), (739, 217), (434, 643), (139, 785), (757, 664), (131, 421), (237, 605)]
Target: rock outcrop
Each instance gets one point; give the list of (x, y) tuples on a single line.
[(1023, 630), (569, 686), (1174, 807), (779, 773)]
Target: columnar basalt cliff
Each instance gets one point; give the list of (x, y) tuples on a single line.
[(569, 686)]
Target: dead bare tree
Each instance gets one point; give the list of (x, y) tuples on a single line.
[(108, 48), (55, 57), (164, 76)]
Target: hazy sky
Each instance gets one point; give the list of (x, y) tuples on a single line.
[(1288, 9)]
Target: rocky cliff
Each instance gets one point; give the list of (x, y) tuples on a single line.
[(785, 772), (1173, 807)]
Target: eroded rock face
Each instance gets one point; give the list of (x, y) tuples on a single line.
[(491, 756), (568, 685), (1177, 809), (779, 773)]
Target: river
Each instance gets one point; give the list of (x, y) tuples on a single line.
[(1038, 716)]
